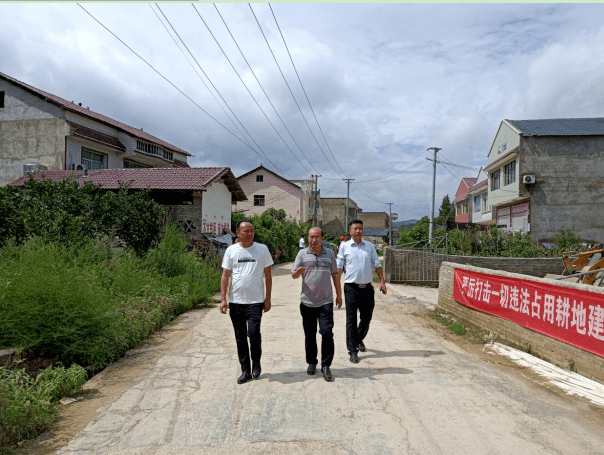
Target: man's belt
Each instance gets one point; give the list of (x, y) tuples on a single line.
[(360, 286)]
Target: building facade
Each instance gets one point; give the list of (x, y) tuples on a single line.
[(43, 131), (334, 214), (463, 200), (266, 189)]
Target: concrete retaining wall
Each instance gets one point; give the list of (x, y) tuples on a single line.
[(549, 349), (420, 267)]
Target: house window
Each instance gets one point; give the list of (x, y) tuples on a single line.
[(485, 203), (93, 160), (464, 207), (1, 100), (509, 171), (259, 201), (133, 165), (260, 178), (477, 205), (495, 180), (457, 209)]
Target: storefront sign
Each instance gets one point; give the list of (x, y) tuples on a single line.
[(570, 315)]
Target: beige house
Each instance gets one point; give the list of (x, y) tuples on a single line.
[(266, 189), (334, 214), (41, 131)]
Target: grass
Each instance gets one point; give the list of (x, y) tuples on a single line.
[(473, 333), (85, 306)]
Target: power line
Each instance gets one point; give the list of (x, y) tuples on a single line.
[(217, 91), (248, 90), (264, 91), (199, 76), (166, 79), (309, 104), (288, 86)]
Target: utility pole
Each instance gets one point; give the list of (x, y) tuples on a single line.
[(390, 223), (436, 150), (347, 202), (315, 220)]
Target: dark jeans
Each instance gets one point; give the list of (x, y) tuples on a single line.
[(324, 314), (246, 322), (363, 301)]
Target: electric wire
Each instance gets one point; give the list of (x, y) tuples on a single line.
[(219, 94), (304, 90), (164, 77), (289, 88), (199, 76), (248, 90), (264, 91)]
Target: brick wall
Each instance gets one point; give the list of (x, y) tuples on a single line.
[(420, 267), (550, 349)]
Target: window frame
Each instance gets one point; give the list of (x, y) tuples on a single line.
[(496, 180), (2, 96), (104, 156), (259, 178), (259, 200), (477, 207), (509, 172)]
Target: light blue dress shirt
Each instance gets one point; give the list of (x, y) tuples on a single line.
[(359, 260)]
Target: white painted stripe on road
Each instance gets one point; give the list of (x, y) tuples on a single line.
[(572, 383)]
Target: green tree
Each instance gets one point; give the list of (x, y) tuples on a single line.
[(446, 213)]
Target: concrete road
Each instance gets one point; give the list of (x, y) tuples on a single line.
[(412, 393)]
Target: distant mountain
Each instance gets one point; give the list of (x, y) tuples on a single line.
[(399, 224)]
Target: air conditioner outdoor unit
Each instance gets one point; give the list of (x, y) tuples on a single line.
[(80, 167), (529, 179)]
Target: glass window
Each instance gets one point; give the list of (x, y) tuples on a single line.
[(1, 99), (509, 171), (133, 165), (495, 180), (464, 208), (259, 200), (93, 160), (260, 178), (477, 204), (485, 203)]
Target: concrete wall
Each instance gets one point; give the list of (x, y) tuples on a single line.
[(569, 193), (374, 220), (75, 144), (278, 194), (549, 349), (420, 267), (334, 214), (32, 131)]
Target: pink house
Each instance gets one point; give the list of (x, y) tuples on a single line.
[(265, 189), (462, 200)]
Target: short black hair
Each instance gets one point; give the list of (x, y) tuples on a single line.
[(317, 227), (245, 220), (354, 222)]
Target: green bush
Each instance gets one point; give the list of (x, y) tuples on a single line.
[(27, 406), (66, 213)]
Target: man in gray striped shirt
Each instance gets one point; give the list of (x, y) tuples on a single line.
[(318, 268)]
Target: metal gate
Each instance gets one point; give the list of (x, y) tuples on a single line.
[(416, 263)]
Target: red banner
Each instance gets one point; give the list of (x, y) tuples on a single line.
[(570, 315)]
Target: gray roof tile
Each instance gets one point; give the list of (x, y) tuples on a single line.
[(560, 127)]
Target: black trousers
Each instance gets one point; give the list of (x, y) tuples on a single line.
[(310, 316), (246, 322), (361, 300)]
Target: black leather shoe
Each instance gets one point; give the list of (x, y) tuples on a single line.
[(361, 346), (311, 368), (326, 373), (354, 358), (256, 370), (245, 376)]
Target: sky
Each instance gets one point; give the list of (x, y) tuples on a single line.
[(371, 88)]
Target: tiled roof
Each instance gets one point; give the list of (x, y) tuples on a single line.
[(478, 185), (161, 178), (560, 127), (136, 132)]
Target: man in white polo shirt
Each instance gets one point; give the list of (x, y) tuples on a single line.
[(248, 262), (317, 266), (359, 258)]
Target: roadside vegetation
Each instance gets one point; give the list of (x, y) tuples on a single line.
[(85, 276), (490, 242), (470, 332)]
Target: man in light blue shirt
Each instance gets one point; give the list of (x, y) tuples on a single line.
[(359, 258)]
